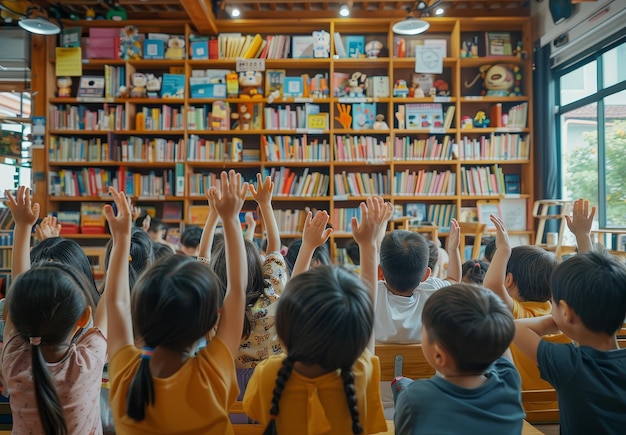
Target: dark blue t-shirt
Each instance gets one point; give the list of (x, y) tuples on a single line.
[(591, 385), (438, 407)]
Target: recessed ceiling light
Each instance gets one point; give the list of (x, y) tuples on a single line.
[(235, 12), (344, 11), (439, 11)]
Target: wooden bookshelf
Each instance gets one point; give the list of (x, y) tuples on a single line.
[(457, 71)]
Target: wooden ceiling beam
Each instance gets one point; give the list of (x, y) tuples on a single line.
[(201, 15)]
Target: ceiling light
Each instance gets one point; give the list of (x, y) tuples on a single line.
[(344, 11), (39, 25), (411, 26), (235, 12), (439, 11)]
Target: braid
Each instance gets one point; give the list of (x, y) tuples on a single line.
[(281, 380), (348, 386)]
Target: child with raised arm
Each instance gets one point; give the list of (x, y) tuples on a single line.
[(164, 388), (50, 365), (328, 380), (466, 334)]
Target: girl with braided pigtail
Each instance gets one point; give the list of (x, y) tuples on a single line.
[(327, 382)]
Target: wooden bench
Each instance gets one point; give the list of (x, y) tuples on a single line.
[(549, 415), (402, 360)]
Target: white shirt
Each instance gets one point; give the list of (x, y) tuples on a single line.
[(398, 319)]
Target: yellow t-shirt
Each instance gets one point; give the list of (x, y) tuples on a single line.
[(315, 406), (531, 380), (194, 400)]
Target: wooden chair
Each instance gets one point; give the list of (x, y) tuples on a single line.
[(475, 230), (242, 428), (543, 415), (402, 360)]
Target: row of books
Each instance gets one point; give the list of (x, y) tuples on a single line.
[(153, 184), (164, 118), (290, 221), (440, 214), (231, 149), (6, 255), (410, 148), (287, 117), (78, 149), (80, 117), (362, 183), (288, 183), (295, 148), (511, 146), (361, 148), (405, 47), (144, 149), (342, 219), (114, 80), (482, 180), (6, 237), (423, 182), (518, 116)]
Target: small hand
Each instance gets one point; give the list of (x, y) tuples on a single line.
[(24, 213), (344, 117), (263, 196), (212, 217), (314, 232), (454, 237), (502, 236), (119, 224), (48, 228), (372, 221), (581, 220), (229, 199)]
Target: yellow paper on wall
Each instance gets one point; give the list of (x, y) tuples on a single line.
[(69, 62)]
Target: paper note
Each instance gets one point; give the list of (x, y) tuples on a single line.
[(429, 59), (69, 62)]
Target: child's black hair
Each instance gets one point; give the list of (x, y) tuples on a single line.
[(403, 259), (160, 250), (177, 287), (490, 249), (471, 323), (433, 254), (66, 251), (45, 304), (256, 283), (473, 271), (321, 254), (191, 236), (353, 252), (324, 317), (531, 267), (594, 285), (141, 254), (156, 225)]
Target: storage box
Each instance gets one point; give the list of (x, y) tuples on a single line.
[(102, 43), (153, 49), (201, 89)]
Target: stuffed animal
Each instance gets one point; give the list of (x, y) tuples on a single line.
[(380, 123), (251, 84), (232, 84), (500, 80), (321, 43), (357, 84), (64, 87), (175, 48), (130, 45), (372, 48), (153, 85), (139, 82), (443, 90)]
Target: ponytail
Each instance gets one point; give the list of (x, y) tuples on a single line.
[(141, 389), (48, 402), (281, 380), (348, 386)]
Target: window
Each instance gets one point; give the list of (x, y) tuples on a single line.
[(592, 132), (15, 124)]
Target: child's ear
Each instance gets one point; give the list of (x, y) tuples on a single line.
[(440, 357), (84, 319), (508, 280), (427, 274), (569, 315)]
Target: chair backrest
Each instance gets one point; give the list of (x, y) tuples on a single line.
[(471, 229), (244, 428), (403, 360), (545, 414)]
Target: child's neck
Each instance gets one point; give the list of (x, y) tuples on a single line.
[(166, 362), (465, 380), (310, 370), (596, 340), (406, 294)]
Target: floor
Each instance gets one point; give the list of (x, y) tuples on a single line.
[(548, 429)]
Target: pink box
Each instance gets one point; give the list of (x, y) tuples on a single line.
[(104, 32), (101, 48)]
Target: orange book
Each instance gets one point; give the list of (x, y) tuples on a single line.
[(496, 115)]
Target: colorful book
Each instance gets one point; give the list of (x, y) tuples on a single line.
[(274, 81), (355, 46), (363, 115), (424, 116), (173, 86)]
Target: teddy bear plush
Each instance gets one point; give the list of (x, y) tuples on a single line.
[(251, 84), (139, 82), (500, 80), (357, 84), (175, 48), (64, 87)]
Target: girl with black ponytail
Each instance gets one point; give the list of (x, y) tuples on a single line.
[(328, 380)]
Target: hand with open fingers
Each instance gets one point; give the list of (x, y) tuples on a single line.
[(387, 212), (372, 220), (23, 211), (49, 227), (120, 224), (212, 218), (229, 198), (502, 236), (581, 220), (454, 237), (315, 233), (263, 196), (344, 117)]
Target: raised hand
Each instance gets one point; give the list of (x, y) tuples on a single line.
[(229, 199), (23, 211), (454, 237), (49, 227), (581, 220), (373, 212), (315, 233), (263, 196), (502, 236), (120, 224)]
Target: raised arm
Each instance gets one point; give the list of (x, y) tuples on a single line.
[(365, 232), (208, 234), (580, 224), (528, 333), (496, 273), (117, 288), (454, 254), (263, 197), (228, 201), (314, 234), (250, 226), (49, 227), (25, 215)]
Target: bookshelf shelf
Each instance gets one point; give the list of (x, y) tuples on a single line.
[(380, 159)]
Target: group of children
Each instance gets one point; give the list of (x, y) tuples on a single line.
[(295, 339)]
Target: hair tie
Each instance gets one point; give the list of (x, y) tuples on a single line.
[(273, 416), (35, 341), (147, 352), (130, 259)]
